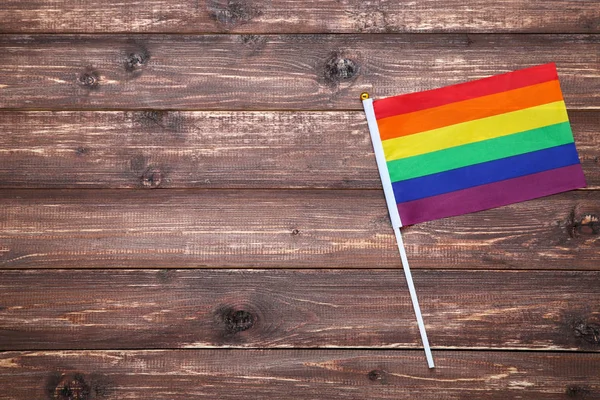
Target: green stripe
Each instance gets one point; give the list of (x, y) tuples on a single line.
[(478, 152)]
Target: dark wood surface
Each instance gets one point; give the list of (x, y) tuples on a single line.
[(190, 207), (299, 374), (179, 149), (273, 72), (167, 308), (284, 229), (298, 16)]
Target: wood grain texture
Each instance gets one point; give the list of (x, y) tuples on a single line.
[(154, 309), (298, 16), (272, 72), (263, 266), (208, 149), (296, 228), (297, 374)]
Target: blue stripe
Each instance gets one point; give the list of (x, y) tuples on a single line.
[(484, 173)]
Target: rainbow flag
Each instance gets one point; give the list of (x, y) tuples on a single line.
[(475, 145)]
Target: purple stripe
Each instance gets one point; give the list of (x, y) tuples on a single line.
[(492, 195)]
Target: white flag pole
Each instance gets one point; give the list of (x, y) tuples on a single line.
[(395, 218)]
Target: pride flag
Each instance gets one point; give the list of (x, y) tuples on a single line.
[(475, 145)]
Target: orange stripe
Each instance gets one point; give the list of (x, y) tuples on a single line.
[(469, 110)]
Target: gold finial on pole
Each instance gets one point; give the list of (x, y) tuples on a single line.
[(364, 95)]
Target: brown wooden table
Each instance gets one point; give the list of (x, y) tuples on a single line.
[(190, 206)]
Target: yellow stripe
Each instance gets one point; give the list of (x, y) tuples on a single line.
[(475, 131)]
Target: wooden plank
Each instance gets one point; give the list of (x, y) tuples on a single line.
[(297, 374), (208, 149), (298, 16), (308, 72), (275, 228), (100, 309)]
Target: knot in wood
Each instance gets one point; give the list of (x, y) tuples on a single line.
[(72, 387), (295, 232), (135, 61), (152, 178), (253, 40), (89, 79), (232, 12), (152, 119), (376, 375), (589, 225), (339, 69), (587, 331), (238, 321), (81, 151), (577, 391)]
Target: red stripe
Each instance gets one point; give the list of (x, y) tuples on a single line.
[(492, 195), (411, 102)]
